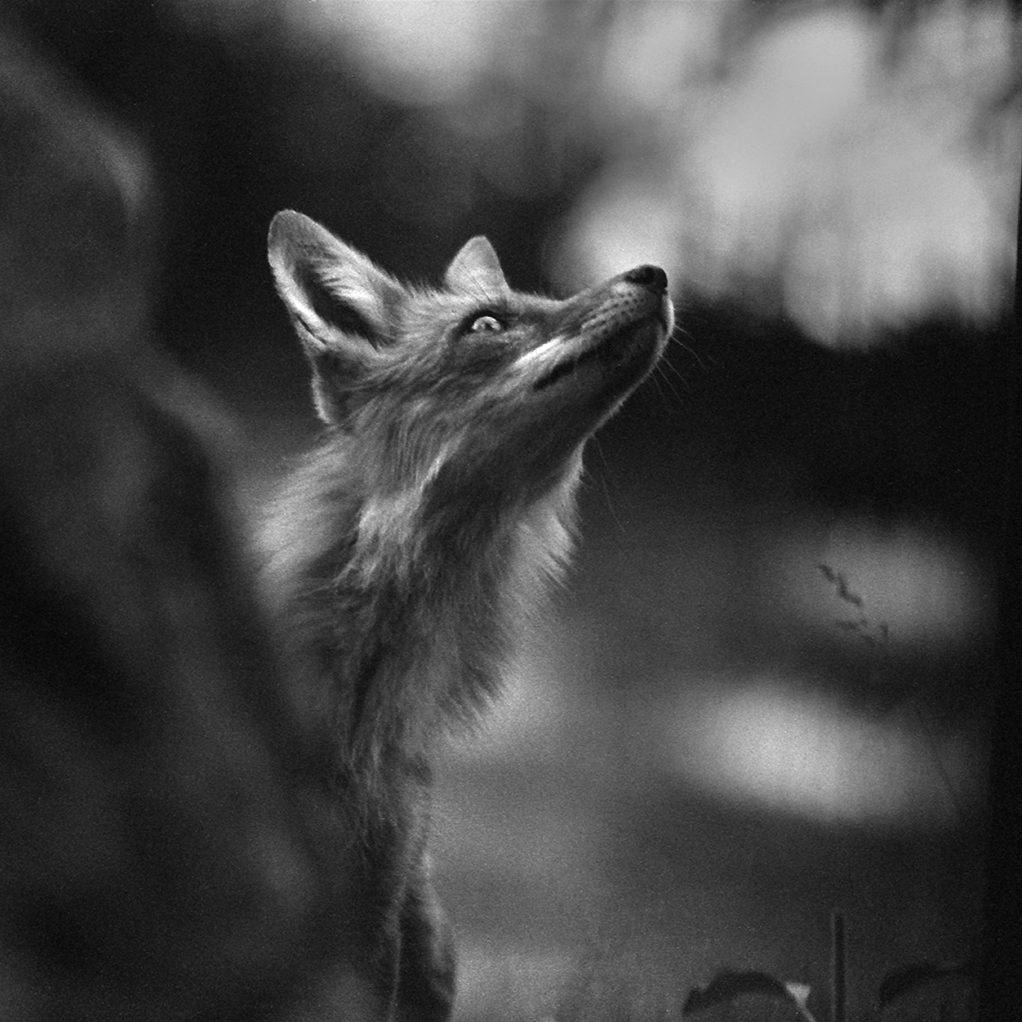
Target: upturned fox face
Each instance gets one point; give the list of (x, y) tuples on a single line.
[(472, 384)]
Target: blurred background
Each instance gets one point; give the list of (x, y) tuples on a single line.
[(764, 694)]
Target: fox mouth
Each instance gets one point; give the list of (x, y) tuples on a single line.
[(616, 349)]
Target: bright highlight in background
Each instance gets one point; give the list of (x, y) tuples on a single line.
[(764, 741), (818, 174), (856, 171)]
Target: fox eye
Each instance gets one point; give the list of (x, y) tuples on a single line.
[(486, 324)]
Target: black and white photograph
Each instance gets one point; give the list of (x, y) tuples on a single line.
[(510, 511)]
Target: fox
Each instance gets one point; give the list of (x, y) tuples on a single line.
[(407, 552)]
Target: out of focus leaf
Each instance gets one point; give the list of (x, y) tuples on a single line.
[(919, 990), (738, 995)]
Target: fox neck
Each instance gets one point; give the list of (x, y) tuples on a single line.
[(399, 611)]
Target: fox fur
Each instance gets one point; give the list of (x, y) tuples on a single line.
[(406, 551)]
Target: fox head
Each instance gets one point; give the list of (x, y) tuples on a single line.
[(472, 386)]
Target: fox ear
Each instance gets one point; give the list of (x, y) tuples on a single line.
[(340, 302), (332, 292), (476, 268)]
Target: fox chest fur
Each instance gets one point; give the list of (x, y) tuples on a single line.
[(397, 616)]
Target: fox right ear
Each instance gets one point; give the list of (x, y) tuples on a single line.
[(476, 269), (341, 303)]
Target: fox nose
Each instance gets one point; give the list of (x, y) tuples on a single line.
[(650, 277)]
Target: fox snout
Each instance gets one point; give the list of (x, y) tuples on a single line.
[(610, 335), (639, 291), (650, 277), (653, 280)]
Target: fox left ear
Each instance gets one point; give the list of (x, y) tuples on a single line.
[(475, 268), (340, 302)]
